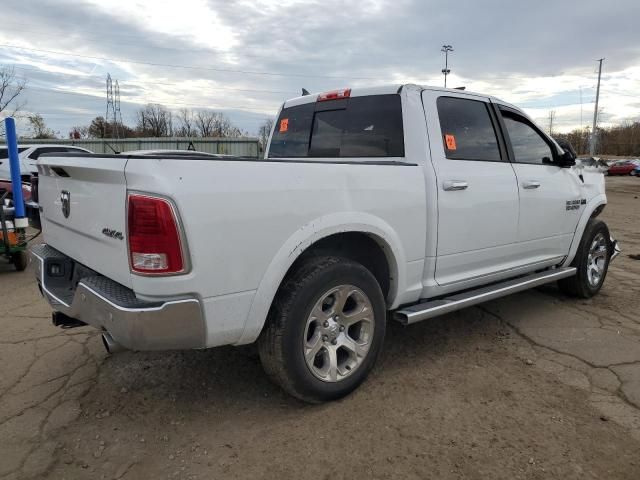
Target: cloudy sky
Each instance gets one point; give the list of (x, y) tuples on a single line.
[(246, 57)]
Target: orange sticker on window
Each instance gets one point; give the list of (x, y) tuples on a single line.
[(284, 125), (450, 140)]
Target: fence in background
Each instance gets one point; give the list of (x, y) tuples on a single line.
[(244, 146)]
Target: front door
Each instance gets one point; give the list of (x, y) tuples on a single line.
[(550, 196), (477, 189)]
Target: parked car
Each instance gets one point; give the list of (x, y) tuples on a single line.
[(623, 167), (400, 202), (176, 153), (29, 154)]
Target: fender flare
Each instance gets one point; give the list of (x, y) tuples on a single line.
[(307, 236), (591, 207)]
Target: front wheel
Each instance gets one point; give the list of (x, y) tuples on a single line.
[(591, 261), (325, 329)]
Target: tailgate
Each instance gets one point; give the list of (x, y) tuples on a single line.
[(83, 201)]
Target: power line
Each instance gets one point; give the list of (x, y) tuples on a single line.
[(190, 67), (98, 97), (153, 83)]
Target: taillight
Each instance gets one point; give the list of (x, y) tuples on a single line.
[(334, 95), (154, 239)]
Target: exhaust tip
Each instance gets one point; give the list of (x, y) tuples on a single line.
[(110, 345)]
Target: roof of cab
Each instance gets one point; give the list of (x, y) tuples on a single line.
[(390, 89)]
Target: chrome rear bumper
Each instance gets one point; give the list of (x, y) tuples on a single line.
[(106, 305)]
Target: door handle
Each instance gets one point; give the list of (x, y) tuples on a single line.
[(455, 185), (530, 184)]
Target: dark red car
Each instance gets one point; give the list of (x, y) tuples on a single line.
[(623, 167), (5, 186)]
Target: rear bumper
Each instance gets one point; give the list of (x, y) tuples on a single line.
[(106, 305)]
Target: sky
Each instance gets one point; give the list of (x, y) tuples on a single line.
[(245, 58)]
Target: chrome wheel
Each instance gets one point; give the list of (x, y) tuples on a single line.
[(597, 260), (338, 333)]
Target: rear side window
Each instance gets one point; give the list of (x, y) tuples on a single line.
[(467, 130), (368, 126)]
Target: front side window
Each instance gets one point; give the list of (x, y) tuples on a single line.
[(467, 130), (528, 145), (369, 126)]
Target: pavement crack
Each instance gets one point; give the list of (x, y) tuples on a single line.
[(618, 393)]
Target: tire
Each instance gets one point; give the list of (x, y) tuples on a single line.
[(20, 260), (302, 320), (595, 245)]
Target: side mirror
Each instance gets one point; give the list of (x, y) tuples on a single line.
[(568, 158)]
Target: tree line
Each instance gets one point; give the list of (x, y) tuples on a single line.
[(621, 140), (155, 120)]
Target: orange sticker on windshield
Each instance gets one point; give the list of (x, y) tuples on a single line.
[(450, 141), (284, 125)]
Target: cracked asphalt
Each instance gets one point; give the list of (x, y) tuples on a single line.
[(535, 385)]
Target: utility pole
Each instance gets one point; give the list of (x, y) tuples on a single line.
[(446, 49), (552, 114), (592, 148)]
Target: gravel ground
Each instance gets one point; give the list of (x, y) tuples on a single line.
[(535, 385)]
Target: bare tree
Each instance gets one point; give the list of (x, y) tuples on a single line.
[(264, 132), (154, 120), (100, 128), (215, 124), (10, 89), (187, 123), (39, 127), (78, 132), (205, 121)]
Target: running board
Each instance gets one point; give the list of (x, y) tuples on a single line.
[(433, 308)]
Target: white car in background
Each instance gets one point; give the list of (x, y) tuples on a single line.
[(29, 154)]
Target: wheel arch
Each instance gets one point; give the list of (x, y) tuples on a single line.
[(592, 210), (336, 234)]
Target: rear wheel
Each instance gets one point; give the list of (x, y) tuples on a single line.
[(591, 262), (20, 260), (325, 330)]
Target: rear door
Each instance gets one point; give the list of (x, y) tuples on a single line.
[(550, 196), (83, 201), (477, 190)]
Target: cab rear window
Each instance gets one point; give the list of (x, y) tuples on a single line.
[(368, 126)]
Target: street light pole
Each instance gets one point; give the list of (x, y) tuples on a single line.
[(446, 49)]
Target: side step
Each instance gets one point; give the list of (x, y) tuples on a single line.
[(433, 308)]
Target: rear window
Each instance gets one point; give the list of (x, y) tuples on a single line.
[(368, 126), (4, 152)]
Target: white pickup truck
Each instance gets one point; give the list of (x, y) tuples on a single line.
[(400, 202)]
